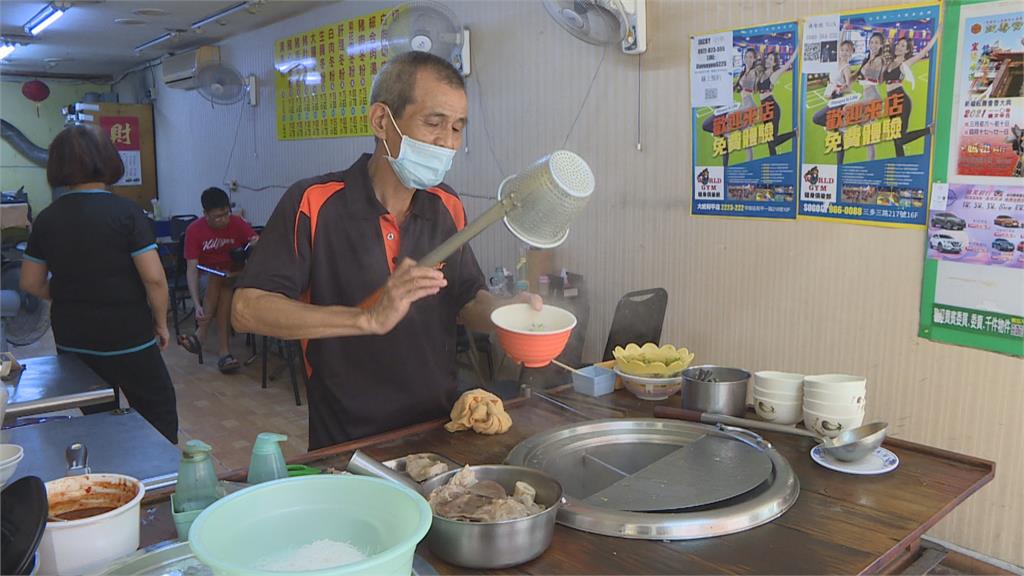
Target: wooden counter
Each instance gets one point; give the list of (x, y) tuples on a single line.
[(840, 524)]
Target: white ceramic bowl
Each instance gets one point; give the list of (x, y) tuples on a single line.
[(10, 455), (523, 319), (836, 397), (841, 410), (779, 396), (833, 383), (779, 382), (650, 388), (778, 412), (88, 544), (830, 426)]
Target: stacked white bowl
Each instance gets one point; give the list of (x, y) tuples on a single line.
[(834, 403), (778, 396)]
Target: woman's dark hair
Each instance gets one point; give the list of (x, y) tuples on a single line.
[(214, 198), (874, 35), (860, 70), (81, 154), (736, 84), (910, 47)]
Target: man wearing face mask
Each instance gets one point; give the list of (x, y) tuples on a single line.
[(378, 358)]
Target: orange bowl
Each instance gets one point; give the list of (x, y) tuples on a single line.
[(533, 337)]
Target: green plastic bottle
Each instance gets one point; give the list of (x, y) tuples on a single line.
[(197, 479), (267, 462)]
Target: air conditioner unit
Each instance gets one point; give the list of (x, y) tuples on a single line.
[(179, 71)]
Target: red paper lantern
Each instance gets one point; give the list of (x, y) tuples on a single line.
[(35, 90)]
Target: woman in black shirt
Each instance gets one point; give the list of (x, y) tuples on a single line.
[(897, 71), (93, 254), (766, 80)]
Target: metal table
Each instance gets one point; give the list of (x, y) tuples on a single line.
[(122, 442), (52, 383)]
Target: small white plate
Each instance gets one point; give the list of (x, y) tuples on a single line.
[(878, 462)]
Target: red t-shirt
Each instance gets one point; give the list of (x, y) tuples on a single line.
[(212, 247)]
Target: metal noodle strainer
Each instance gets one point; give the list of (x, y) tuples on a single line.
[(537, 204)]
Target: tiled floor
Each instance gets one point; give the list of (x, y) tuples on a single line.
[(228, 411)]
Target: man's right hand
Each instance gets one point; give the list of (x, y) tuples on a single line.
[(407, 284)]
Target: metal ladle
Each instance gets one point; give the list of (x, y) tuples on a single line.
[(848, 446)]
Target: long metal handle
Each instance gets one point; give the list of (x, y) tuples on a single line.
[(561, 405), (453, 243), (363, 465), (752, 439), (472, 230), (694, 416)]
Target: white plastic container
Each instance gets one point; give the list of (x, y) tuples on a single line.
[(89, 544), (593, 381)]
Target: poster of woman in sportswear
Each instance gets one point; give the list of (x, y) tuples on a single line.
[(744, 151), (868, 115)]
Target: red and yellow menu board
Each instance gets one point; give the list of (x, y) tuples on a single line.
[(322, 88)]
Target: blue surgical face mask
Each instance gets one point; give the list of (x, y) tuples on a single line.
[(419, 165)]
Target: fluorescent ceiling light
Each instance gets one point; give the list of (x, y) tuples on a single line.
[(5, 50), (155, 41), (43, 19), (225, 12)]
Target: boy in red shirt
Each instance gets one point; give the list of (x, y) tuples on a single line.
[(208, 244)]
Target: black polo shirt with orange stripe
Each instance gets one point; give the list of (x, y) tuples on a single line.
[(331, 242)]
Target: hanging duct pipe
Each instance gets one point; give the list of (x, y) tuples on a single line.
[(22, 144)]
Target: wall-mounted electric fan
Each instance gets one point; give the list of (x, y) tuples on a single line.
[(222, 84), (429, 27), (604, 21)]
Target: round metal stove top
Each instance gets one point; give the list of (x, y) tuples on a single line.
[(659, 479)]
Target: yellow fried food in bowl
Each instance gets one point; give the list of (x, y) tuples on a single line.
[(651, 361)]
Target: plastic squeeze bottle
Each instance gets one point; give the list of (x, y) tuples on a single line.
[(197, 480), (267, 461)]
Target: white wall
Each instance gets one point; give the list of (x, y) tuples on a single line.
[(798, 296), (40, 124)]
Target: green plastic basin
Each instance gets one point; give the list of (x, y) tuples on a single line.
[(239, 533)]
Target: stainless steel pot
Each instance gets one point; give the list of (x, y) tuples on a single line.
[(715, 390), (484, 545)]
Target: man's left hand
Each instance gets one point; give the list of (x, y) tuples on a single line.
[(534, 300), (476, 315)]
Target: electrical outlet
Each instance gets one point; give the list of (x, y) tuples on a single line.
[(233, 186)]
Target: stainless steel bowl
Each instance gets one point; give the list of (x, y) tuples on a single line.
[(489, 545), (484, 545), (857, 443), (715, 390)]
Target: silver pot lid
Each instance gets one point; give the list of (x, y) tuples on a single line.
[(661, 479)]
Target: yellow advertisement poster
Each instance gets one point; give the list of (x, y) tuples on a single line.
[(322, 88)]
